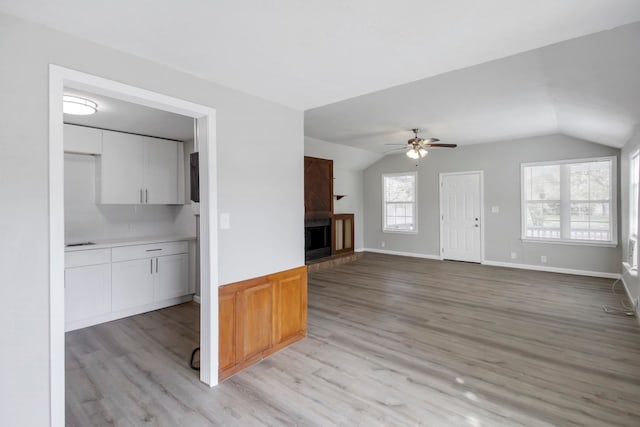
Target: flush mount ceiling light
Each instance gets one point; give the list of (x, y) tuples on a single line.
[(78, 106)]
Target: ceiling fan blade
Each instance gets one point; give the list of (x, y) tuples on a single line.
[(442, 145), (429, 140), (396, 144)]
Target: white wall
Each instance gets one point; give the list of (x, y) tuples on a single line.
[(262, 193), (631, 280), (500, 162), (348, 163)]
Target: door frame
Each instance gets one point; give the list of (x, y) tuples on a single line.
[(482, 212), (59, 78)]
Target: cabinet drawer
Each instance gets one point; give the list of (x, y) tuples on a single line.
[(125, 253), (88, 257)]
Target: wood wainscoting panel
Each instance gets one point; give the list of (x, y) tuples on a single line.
[(260, 316), (289, 306), (227, 334)]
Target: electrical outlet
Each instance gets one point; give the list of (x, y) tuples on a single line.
[(543, 259), (382, 244), (514, 255)]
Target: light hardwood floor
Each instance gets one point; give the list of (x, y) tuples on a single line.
[(392, 341)]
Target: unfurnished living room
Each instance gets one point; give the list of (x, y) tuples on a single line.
[(317, 213)]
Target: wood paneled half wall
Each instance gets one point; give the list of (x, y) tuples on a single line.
[(260, 316)]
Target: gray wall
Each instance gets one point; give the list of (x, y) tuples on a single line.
[(632, 282), (500, 162), (262, 193)]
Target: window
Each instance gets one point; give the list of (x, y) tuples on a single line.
[(634, 177), (399, 202), (570, 201)]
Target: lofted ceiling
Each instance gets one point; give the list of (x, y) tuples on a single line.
[(588, 88), (115, 114), (306, 54)]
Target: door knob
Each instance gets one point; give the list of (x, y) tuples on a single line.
[(476, 225)]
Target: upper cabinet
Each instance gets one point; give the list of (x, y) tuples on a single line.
[(82, 140), (136, 169), (318, 188)]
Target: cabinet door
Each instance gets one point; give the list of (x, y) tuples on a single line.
[(253, 321), (120, 169), (171, 277), (132, 283), (87, 292), (290, 305), (161, 171), (226, 330)]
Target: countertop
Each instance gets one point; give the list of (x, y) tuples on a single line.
[(104, 244)]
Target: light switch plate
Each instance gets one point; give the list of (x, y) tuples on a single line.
[(225, 221), (495, 209)]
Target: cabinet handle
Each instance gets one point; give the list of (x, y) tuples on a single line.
[(154, 250), (157, 259), (141, 199), (151, 266), (146, 196)]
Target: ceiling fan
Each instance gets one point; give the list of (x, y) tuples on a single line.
[(417, 147)]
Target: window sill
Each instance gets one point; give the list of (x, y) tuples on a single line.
[(570, 242), (400, 232)]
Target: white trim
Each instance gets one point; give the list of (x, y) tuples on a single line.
[(415, 203), (552, 269), (626, 269), (60, 77), (409, 254), (613, 202), (196, 299), (481, 174)]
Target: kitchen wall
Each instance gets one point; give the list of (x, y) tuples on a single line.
[(500, 162), (260, 186), (630, 277), (348, 164)]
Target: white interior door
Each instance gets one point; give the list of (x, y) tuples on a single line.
[(460, 216)]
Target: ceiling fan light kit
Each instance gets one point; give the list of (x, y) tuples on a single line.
[(417, 153)]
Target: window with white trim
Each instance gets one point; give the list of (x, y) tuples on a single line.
[(634, 178), (399, 202), (570, 201)]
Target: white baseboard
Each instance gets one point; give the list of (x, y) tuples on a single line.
[(196, 299), (411, 254), (553, 269)]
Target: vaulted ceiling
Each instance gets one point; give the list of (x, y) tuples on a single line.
[(441, 59)]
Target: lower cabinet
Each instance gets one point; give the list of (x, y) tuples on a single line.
[(87, 292), (107, 284), (260, 316)]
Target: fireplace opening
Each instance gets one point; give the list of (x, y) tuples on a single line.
[(317, 238)]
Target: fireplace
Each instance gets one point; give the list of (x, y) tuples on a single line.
[(317, 238)]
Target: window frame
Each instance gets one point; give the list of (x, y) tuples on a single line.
[(632, 243), (415, 203), (613, 200)]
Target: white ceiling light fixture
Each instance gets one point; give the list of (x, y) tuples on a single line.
[(417, 153), (78, 106)]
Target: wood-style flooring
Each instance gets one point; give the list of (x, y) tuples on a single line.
[(392, 341)]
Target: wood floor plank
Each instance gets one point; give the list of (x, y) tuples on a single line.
[(391, 341)]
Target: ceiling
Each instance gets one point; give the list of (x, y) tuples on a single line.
[(588, 88), (306, 54), (115, 114)]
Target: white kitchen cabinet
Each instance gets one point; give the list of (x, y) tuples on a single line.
[(137, 169), (82, 140), (132, 283), (119, 171), (161, 171), (171, 276), (87, 292)]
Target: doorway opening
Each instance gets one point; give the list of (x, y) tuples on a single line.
[(461, 216), (62, 79)]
